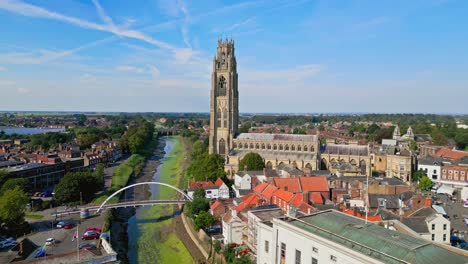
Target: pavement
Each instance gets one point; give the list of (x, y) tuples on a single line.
[(455, 211)]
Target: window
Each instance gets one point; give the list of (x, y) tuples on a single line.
[(283, 251), (222, 86), (435, 171), (445, 237), (314, 249), (445, 226), (314, 261), (218, 118), (225, 118), (222, 147), (433, 226), (433, 237), (298, 257), (333, 258), (267, 246), (434, 177)]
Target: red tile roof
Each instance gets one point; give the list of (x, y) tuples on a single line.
[(201, 184), (306, 208), (218, 182), (287, 184), (227, 216), (259, 188), (269, 191), (250, 201), (451, 154), (317, 198), (284, 195), (215, 205), (297, 200), (372, 218), (314, 184)]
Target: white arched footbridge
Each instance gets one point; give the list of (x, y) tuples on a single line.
[(104, 204)]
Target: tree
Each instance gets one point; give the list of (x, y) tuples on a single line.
[(72, 184), (425, 183), (10, 184), (196, 206), (199, 193), (413, 145), (252, 161), (12, 207), (418, 175), (3, 176), (204, 220)]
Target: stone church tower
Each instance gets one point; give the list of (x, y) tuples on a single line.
[(224, 105)]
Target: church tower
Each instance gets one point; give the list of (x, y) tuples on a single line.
[(224, 105)]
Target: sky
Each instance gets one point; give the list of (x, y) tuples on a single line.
[(303, 56)]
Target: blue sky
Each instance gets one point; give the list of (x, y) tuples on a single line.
[(293, 56)]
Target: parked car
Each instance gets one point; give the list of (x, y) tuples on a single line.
[(88, 235), (68, 226), (50, 241), (87, 246), (98, 230), (61, 224)]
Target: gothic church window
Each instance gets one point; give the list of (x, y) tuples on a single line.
[(222, 86), (222, 146), (299, 148), (280, 147), (225, 118), (305, 148), (218, 118)]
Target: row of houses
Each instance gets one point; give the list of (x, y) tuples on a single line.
[(263, 196), (45, 169)]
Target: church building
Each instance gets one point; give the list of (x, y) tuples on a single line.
[(277, 150)]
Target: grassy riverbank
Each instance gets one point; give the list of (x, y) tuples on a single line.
[(158, 242)]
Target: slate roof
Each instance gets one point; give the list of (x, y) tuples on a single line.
[(423, 212), (417, 224), (338, 149), (429, 160), (278, 137), (377, 242), (422, 138), (391, 201)]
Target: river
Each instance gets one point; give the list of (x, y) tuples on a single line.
[(151, 238), (29, 130)]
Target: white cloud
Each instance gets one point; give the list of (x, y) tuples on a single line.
[(23, 90), (154, 71), (43, 56), (128, 68), (29, 10), (87, 78), (249, 22), (102, 14), (2, 68)]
